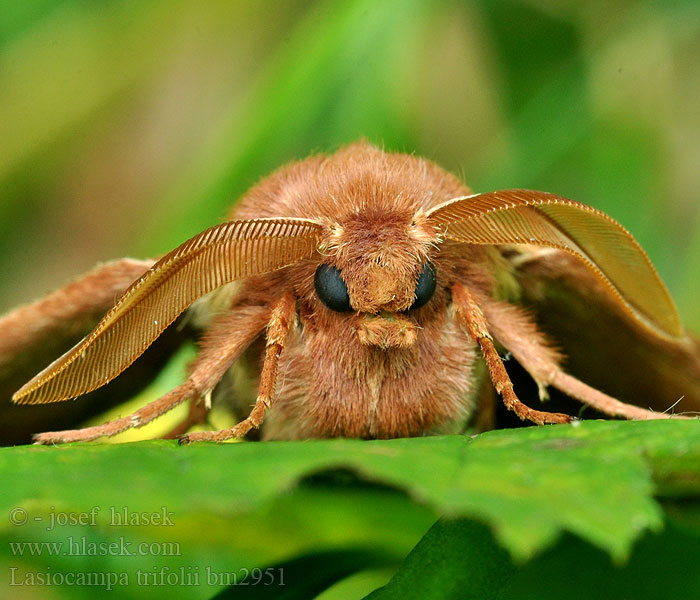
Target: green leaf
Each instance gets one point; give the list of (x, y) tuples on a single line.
[(528, 485), (461, 559), (455, 559)]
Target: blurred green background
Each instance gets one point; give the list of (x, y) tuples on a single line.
[(127, 126)]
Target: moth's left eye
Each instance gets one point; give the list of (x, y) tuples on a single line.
[(425, 287), (331, 288)]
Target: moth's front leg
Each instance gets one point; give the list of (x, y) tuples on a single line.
[(228, 337), (520, 336), (472, 319), (139, 418), (281, 321)]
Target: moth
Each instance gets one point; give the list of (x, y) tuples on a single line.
[(363, 290)]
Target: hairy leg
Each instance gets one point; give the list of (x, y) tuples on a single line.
[(226, 340), (472, 319), (519, 335), (281, 320)]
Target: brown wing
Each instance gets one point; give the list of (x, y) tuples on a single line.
[(601, 343), (542, 219), (66, 314), (34, 334), (216, 256)]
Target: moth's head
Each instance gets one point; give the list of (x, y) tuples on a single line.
[(376, 263)]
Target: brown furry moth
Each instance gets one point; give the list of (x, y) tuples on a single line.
[(368, 286)]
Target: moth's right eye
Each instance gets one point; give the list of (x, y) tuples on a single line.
[(331, 288)]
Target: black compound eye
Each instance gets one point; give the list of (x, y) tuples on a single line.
[(425, 287), (331, 288)]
